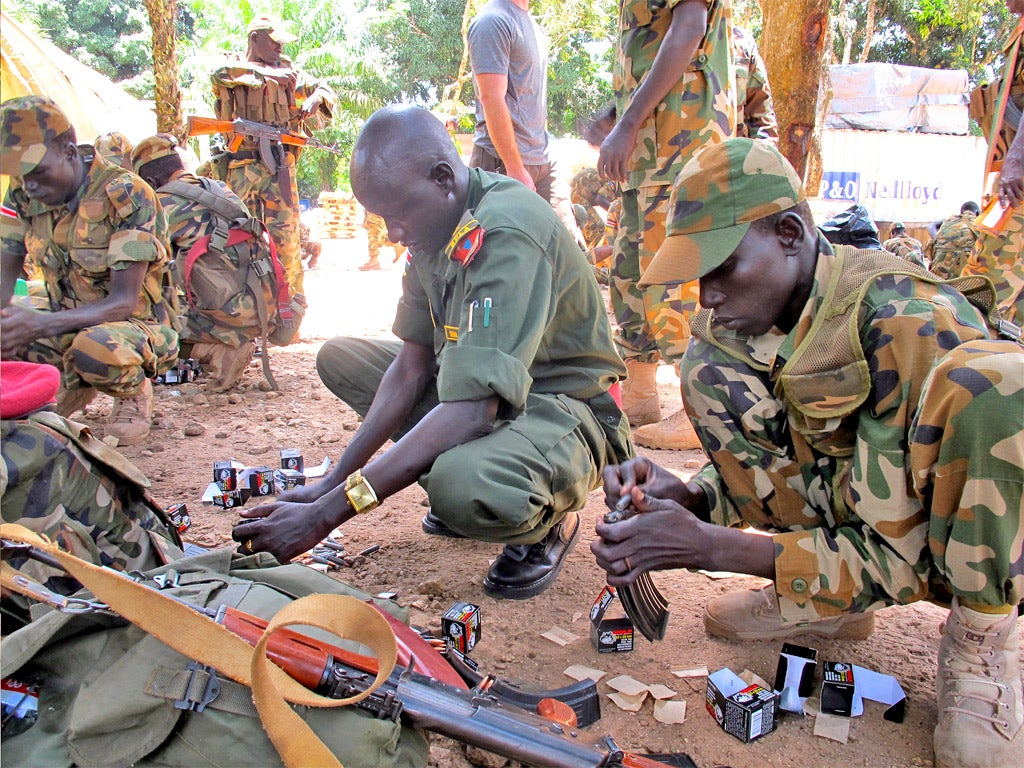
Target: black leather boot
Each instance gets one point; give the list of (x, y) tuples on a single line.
[(522, 570), (435, 526)]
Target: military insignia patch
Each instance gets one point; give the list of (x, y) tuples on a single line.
[(466, 240), (451, 332)]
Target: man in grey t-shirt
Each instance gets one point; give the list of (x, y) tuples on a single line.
[(508, 53)]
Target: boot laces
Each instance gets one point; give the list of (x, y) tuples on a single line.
[(969, 666)]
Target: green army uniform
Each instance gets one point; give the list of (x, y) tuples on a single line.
[(699, 110), (188, 221), (60, 481), (952, 245), (249, 90), (116, 222), (861, 485), (590, 191), (907, 248), (520, 317), (1000, 257), (755, 111), (377, 238)]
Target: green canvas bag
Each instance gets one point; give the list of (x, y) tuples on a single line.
[(107, 689)]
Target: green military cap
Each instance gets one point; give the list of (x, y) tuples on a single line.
[(273, 28), (116, 147), (26, 124), (898, 225), (719, 192), (153, 148)]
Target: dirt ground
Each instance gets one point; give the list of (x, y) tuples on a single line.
[(251, 424)]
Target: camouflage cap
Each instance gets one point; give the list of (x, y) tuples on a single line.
[(153, 148), (275, 29), (116, 147), (898, 225), (721, 189), (26, 124)]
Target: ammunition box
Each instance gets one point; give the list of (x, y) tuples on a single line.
[(748, 712), (291, 458), (460, 626), (611, 630), (230, 499), (290, 478), (261, 481), (837, 688), (178, 516), (225, 474)]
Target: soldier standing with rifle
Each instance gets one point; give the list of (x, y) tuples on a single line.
[(266, 88)]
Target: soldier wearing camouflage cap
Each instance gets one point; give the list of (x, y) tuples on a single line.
[(95, 232), (860, 411), (116, 147), (903, 245), (227, 348), (675, 92), (954, 241)]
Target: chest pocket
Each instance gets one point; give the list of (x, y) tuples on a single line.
[(635, 14), (90, 237)]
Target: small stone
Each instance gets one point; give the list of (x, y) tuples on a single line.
[(194, 429), (234, 398)]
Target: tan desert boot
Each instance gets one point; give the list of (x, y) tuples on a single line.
[(753, 614), (979, 692), (370, 265), (674, 433), (227, 362), (71, 401), (640, 393), (132, 416)]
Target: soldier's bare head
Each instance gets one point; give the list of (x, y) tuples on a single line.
[(405, 168)]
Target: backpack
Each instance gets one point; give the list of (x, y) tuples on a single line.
[(233, 277), (110, 694)]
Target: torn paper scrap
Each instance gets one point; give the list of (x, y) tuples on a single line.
[(627, 685), (886, 689), (559, 636), (660, 691), (701, 671), (628, 703), (835, 727), (580, 672), (670, 712), (318, 470)]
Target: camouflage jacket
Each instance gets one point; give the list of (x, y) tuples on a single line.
[(837, 490), (698, 110), (255, 92), (906, 247), (952, 245), (117, 222), (188, 220), (755, 113)]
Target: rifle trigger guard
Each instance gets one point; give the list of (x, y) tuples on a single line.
[(210, 692)]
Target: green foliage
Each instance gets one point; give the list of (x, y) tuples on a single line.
[(940, 34)]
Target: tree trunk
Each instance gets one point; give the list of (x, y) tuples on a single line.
[(795, 59), (452, 93), (869, 30), (162, 14)]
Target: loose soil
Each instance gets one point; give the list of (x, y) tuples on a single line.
[(194, 427)]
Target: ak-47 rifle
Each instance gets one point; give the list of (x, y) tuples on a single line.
[(268, 138), (476, 716)]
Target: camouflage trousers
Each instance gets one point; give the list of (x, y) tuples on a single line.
[(652, 322), (115, 358), (1000, 258), (61, 482), (957, 486), (261, 192), (377, 238)]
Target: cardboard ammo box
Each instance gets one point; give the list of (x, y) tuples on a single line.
[(611, 630), (748, 712), (225, 474), (261, 481), (179, 517), (291, 458), (230, 499), (290, 478), (837, 688), (797, 665), (460, 626)]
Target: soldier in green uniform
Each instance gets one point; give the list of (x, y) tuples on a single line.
[(675, 91), (228, 348), (860, 411), (60, 481), (949, 250), (268, 89), (755, 110), (97, 234), (377, 238), (115, 147), (903, 245), (497, 395)]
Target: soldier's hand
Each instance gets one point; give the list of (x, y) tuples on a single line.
[(1011, 182), (664, 536), (284, 529), (19, 327), (616, 149), (284, 77), (643, 475)]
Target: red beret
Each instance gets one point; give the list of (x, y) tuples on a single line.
[(26, 387)]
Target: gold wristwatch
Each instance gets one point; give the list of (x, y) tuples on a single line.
[(360, 493)]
